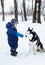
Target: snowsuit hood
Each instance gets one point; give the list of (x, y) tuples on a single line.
[(8, 25)]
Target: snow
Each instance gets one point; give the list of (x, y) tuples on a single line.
[(24, 57)]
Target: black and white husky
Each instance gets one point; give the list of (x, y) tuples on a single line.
[(34, 41)]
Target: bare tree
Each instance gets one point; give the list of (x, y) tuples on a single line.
[(2, 4), (37, 12), (16, 9), (24, 9)]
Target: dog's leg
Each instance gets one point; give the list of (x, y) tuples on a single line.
[(41, 46), (34, 49), (30, 48)]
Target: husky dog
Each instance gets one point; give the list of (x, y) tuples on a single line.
[(35, 37)]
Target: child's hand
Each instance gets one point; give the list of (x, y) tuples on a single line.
[(22, 35)]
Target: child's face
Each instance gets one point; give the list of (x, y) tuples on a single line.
[(15, 25)]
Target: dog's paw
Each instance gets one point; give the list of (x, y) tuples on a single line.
[(25, 35)]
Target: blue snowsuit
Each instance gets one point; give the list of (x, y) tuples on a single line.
[(12, 36)]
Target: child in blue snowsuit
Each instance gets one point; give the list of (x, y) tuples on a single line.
[(13, 36)]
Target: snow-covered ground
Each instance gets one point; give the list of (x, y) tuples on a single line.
[(24, 57)]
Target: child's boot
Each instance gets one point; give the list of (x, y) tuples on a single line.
[(13, 53)]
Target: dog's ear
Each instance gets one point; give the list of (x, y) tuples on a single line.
[(32, 28), (28, 29)]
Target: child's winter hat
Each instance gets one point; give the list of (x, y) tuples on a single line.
[(14, 21)]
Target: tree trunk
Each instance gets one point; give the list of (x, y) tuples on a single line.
[(37, 12), (24, 10), (2, 4), (15, 9)]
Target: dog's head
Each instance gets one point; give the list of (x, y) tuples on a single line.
[(29, 30), (28, 34)]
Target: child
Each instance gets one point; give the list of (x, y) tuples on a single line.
[(13, 36)]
